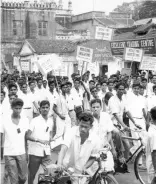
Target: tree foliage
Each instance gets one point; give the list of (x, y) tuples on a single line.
[(148, 10)]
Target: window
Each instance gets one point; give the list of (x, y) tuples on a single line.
[(17, 27), (42, 28)]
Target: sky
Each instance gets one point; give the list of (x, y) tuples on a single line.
[(82, 6)]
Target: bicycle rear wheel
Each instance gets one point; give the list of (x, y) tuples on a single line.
[(108, 179), (140, 168)]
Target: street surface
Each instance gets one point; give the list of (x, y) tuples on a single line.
[(128, 178)]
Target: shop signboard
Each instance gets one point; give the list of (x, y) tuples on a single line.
[(148, 45), (131, 54)]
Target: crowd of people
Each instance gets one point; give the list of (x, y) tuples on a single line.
[(85, 113)]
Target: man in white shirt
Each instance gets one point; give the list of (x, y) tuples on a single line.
[(136, 108), (52, 96), (103, 90), (70, 99), (79, 146), (103, 127), (14, 128), (63, 121), (28, 101), (110, 85), (151, 149), (39, 136)]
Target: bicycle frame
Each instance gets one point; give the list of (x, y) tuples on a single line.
[(137, 150)]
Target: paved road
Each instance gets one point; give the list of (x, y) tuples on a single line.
[(128, 178)]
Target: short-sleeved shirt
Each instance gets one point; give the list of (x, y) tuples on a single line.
[(62, 105), (116, 106), (78, 96), (103, 127), (52, 98), (135, 104), (77, 155), (40, 130), (14, 141)]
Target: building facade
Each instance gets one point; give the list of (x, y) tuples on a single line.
[(25, 20)]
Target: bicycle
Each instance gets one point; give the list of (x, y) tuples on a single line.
[(139, 156), (101, 176)]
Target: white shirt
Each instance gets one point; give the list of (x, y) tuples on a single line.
[(151, 102), (52, 98), (78, 96), (150, 147), (135, 105), (62, 105), (40, 130), (70, 101), (103, 127), (14, 142), (27, 99), (116, 106), (77, 155)]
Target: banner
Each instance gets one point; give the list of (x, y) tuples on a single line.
[(148, 45), (48, 63), (103, 33), (84, 54), (25, 65), (131, 54), (62, 70), (148, 63)]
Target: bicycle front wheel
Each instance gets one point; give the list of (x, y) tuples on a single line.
[(140, 167), (108, 179)]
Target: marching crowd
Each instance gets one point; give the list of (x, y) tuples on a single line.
[(82, 114)]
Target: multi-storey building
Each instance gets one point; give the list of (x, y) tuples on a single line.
[(26, 20)]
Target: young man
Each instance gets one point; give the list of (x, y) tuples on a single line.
[(79, 146), (28, 100), (103, 90), (110, 85), (63, 121), (103, 127), (52, 96), (14, 128), (151, 149), (136, 108), (39, 136)]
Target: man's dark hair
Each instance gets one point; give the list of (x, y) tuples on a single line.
[(92, 89), (30, 82), (144, 79), (103, 81), (16, 102), (12, 85), (110, 81), (9, 95), (95, 101), (119, 84), (24, 84), (38, 79), (3, 92), (154, 87), (63, 84), (51, 82), (69, 83), (44, 102), (136, 85), (91, 81), (153, 113), (86, 116)]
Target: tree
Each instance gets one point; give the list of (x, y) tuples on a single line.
[(148, 10)]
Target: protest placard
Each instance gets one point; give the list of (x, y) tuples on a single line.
[(126, 71), (148, 63), (84, 54), (25, 65), (132, 54), (48, 63), (103, 33)]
